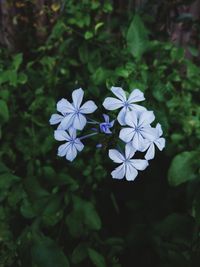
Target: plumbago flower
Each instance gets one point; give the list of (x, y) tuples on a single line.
[(71, 146), (128, 166), (112, 103), (137, 133), (73, 115)]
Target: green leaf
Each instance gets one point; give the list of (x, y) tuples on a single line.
[(96, 258), (46, 253), (17, 60), (137, 37), (88, 35), (79, 253), (183, 168), (4, 112)]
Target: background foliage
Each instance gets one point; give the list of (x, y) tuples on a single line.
[(57, 214)]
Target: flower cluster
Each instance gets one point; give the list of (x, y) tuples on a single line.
[(136, 133)]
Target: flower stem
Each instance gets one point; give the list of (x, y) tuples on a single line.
[(87, 136)]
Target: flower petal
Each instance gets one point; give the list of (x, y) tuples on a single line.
[(131, 118), (129, 150), (159, 129), (119, 172), (55, 119), (137, 107), (61, 135), (63, 106), (140, 164), (119, 92), (111, 103), (150, 154), (67, 121), (160, 143), (116, 156), (131, 172), (106, 118), (77, 97), (121, 116), (72, 132), (146, 117), (79, 121), (79, 145), (88, 107), (62, 150), (138, 142), (136, 96), (126, 134), (149, 133), (71, 152)]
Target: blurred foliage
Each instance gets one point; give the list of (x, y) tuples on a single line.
[(60, 214)]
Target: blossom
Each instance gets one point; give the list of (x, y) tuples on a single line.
[(139, 129), (158, 141), (122, 102), (128, 167), (105, 126), (72, 145), (73, 115)]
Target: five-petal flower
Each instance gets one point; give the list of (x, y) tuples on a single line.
[(73, 115), (72, 145), (139, 129), (128, 167), (122, 102), (157, 140)]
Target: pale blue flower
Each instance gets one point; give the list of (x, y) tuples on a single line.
[(122, 102), (139, 129), (157, 140), (105, 126), (73, 115), (128, 167), (72, 145)]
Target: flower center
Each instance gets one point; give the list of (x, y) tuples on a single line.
[(126, 104)]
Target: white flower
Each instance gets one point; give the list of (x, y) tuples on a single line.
[(158, 141), (121, 101), (73, 115), (139, 129), (73, 144), (128, 166)]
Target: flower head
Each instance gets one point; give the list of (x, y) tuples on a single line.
[(139, 129), (73, 115), (157, 140), (105, 126), (128, 167), (122, 102), (72, 145)]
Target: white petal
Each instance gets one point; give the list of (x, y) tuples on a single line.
[(131, 118), (116, 156), (149, 133), (63, 106), (136, 96), (79, 145), (140, 164), (62, 150), (71, 153), (137, 107), (72, 132), (121, 116), (79, 121), (106, 118), (67, 121), (61, 135), (138, 142), (146, 117), (119, 92), (160, 143), (111, 103), (150, 154), (119, 172), (55, 119), (77, 97), (126, 134), (129, 150), (88, 107), (159, 129), (131, 172)]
